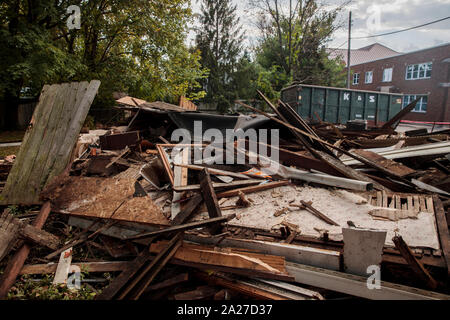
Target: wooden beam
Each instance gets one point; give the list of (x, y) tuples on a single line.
[(400, 115), (188, 210), (183, 227), (210, 198), (14, 266), (415, 264), (442, 226), (217, 185), (101, 266), (246, 190)]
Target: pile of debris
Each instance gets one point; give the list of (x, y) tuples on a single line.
[(337, 205)]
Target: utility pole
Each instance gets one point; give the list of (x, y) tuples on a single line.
[(348, 50)]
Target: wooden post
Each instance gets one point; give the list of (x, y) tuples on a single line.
[(415, 264), (17, 261), (210, 198)]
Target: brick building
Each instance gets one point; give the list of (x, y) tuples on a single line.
[(423, 73)]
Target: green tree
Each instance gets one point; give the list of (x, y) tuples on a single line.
[(220, 41), (294, 35), (135, 46)]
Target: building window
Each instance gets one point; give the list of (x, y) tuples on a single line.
[(355, 78), (368, 77), (421, 106), (418, 71), (387, 75)]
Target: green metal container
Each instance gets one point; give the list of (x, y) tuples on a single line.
[(339, 105)]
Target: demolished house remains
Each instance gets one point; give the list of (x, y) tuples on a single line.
[(186, 205)]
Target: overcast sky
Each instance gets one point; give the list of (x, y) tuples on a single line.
[(392, 15)]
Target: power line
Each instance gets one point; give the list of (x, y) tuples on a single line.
[(388, 33)]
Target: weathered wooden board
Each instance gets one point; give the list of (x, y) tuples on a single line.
[(49, 140), (396, 167)]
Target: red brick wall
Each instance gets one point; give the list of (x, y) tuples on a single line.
[(438, 108)]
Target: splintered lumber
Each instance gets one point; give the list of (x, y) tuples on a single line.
[(49, 140), (347, 172), (101, 266), (247, 190), (15, 264), (415, 264), (133, 281), (317, 213), (394, 214), (396, 167), (183, 227), (12, 228), (215, 171), (188, 209), (138, 263), (442, 226), (8, 234), (393, 122), (210, 198), (217, 185), (227, 260), (146, 276)]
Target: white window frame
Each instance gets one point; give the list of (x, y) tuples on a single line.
[(418, 71), (366, 78), (385, 79), (355, 77), (408, 98)]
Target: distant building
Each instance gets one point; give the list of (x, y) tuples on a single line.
[(423, 73)]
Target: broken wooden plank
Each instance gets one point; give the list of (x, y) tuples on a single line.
[(101, 266), (392, 123), (15, 264), (247, 190), (210, 198), (183, 227), (442, 226), (63, 268), (229, 260), (138, 285), (218, 185), (396, 167), (188, 209), (8, 233), (415, 264), (307, 206)]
